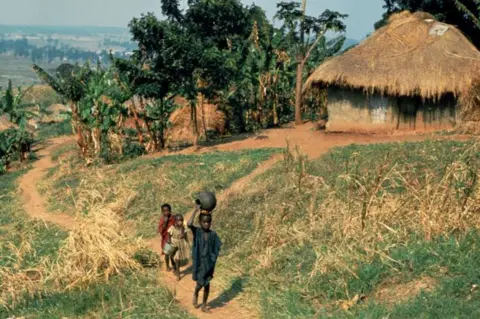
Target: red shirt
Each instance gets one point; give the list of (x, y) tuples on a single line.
[(164, 232)]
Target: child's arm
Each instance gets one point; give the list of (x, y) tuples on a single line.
[(160, 225), (165, 223), (192, 217), (185, 232), (169, 235)]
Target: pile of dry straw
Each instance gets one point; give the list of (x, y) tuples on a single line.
[(96, 249)]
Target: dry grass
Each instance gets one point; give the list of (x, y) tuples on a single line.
[(145, 184), (394, 292), (17, 283), (182, 129), (326, 235), (403, 59), (96, 249), (470, 109), (364, 208)]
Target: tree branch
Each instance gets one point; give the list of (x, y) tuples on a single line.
[(462, 8), (307, 56)]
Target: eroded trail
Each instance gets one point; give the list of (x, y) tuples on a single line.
[(34, 203), (223, 306), (35, 207)]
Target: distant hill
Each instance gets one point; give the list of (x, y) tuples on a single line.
[(65, 30), (349, 42)]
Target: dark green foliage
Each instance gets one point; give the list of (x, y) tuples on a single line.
[(16, 141), (132, 150)]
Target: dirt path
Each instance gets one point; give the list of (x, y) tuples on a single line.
[(34, 203), (224, 307), (311, 142), (35, 206)]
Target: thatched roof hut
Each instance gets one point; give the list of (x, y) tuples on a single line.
[(413, 56)]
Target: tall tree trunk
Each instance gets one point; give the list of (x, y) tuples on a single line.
[(97, 140), (153, 137), (275, 99), (260, 100), (161, 135), (202, 105), (77, 129), (274, 109), (193, 108), (298, 94)]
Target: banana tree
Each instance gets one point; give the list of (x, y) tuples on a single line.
[(101, 109), (6, 149), (18, 139), (69, 86), (128, 74), (12, 105), (265, 76)]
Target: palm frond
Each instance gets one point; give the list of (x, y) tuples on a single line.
[(48, 79)]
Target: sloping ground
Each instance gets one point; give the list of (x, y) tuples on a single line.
[(225, 302), (35, 207), (327, 238), (34, 204), (308, 139)]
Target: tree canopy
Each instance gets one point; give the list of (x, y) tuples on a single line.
[(218, 51)]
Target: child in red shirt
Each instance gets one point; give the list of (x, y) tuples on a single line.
[(166, 222)]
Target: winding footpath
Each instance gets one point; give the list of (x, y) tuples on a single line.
[(35, 206), (222, 306)]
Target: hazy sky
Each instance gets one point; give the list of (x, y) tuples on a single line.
[(362, 13)]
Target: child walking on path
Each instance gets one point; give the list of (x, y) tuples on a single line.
[(205, 251), (178, 239), (166, 222)]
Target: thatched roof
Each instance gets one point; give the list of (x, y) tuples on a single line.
[(412, 55)]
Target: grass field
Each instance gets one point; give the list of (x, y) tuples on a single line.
[(24, 245), (52, 130), (148, 183), (360, 232), (372, 231), (19, 70)]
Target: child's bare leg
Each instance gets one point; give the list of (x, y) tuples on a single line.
[(167, 262), (176, 268), (206, 292), (195, 295)]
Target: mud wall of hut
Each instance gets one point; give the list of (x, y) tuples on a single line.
[(354, 111)]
